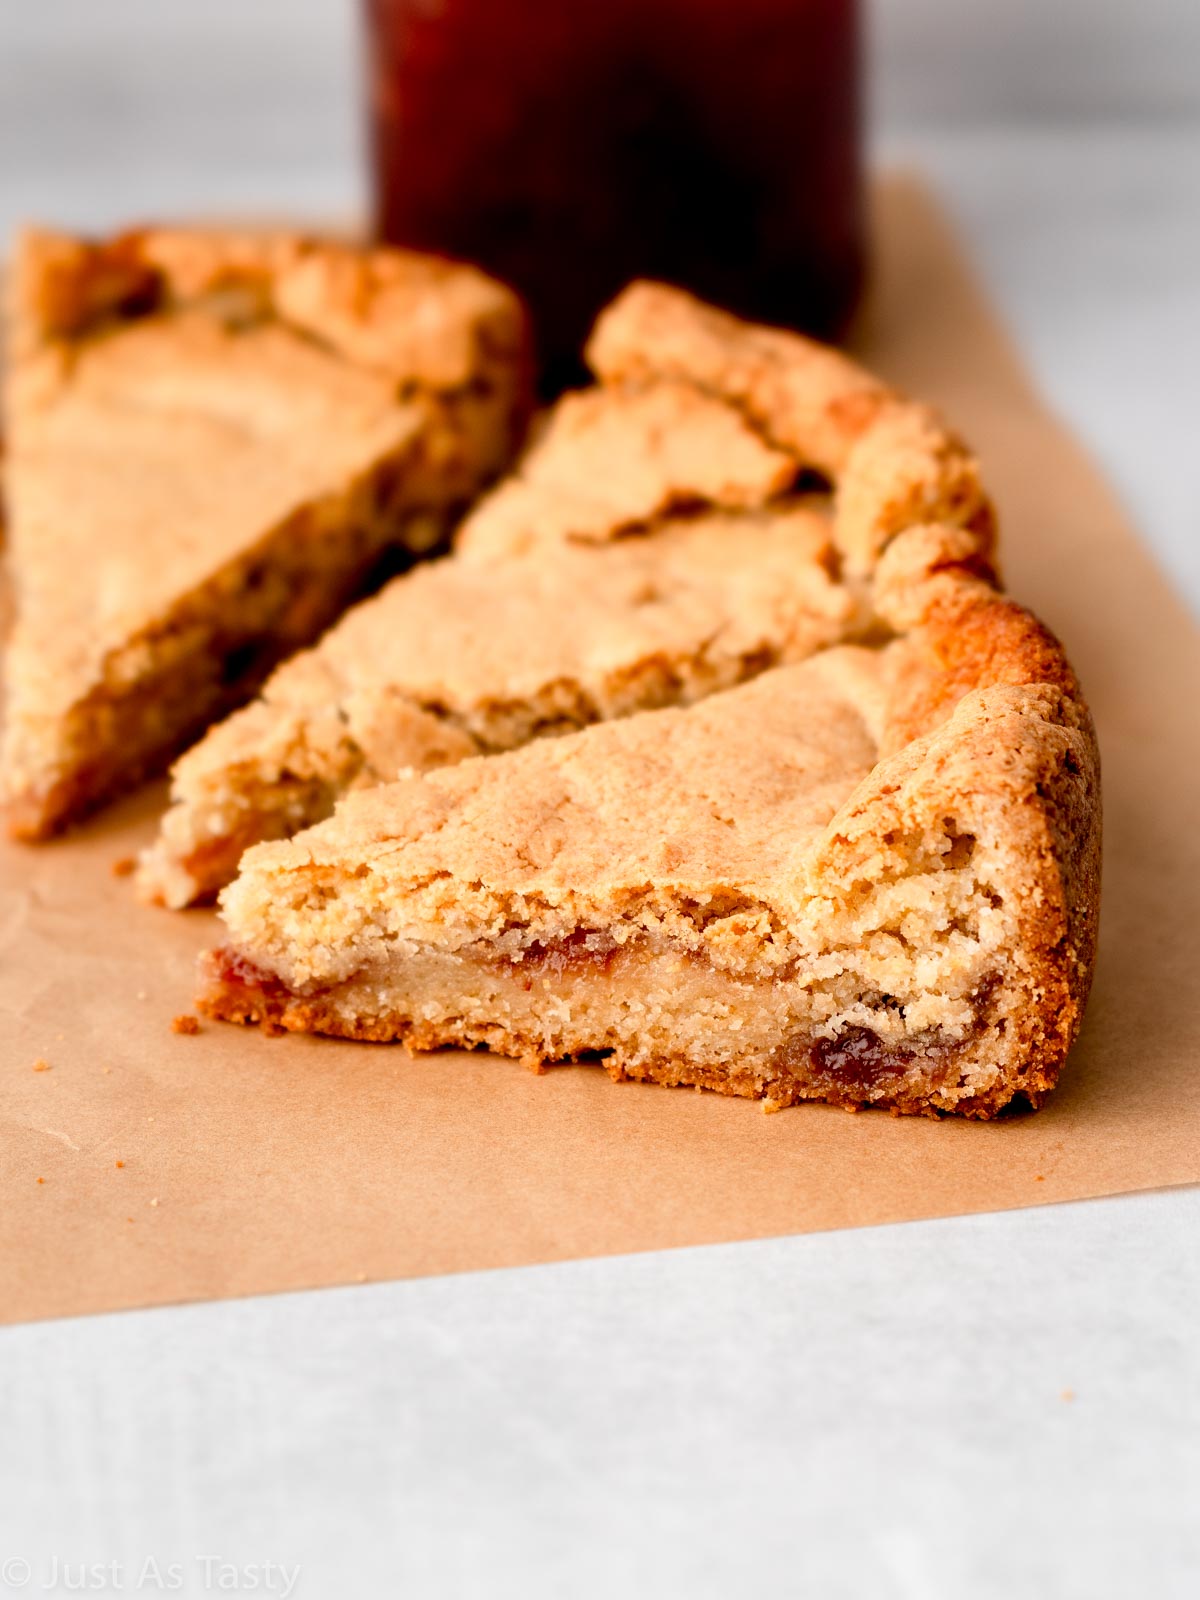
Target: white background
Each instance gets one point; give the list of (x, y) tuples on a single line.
[(992, 1406)]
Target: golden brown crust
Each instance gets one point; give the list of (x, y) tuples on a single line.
[(811, 400), (972, 642), (892, 462)]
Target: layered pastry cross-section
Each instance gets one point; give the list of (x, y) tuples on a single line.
[(832, 882), (212, 440), (869, 877)]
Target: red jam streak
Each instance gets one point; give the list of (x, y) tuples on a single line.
[(580, 951), (233, 971)]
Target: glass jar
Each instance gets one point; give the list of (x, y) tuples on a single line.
[(571, 145)]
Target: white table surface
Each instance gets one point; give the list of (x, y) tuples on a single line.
[(985, 1406)]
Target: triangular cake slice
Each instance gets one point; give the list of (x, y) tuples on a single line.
[(212, 440), (651, 547), (870, 878)]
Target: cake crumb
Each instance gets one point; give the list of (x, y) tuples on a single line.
[(41, 1066), (1068, 1395), (41, 1180), (360, 1277), (185, 1023), (273, 1030), (154, 1202), (120, 1163), (141, 994), (124, 866)]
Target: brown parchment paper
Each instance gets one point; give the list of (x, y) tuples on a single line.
[(146, 1167)]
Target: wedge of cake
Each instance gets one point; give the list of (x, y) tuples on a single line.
[(212, 441), (462, 657), (868, 878)]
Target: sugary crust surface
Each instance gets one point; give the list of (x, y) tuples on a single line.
[(871, 877), (892, 461), (538, 826), (813, 401), (210, 440), (612, 459)]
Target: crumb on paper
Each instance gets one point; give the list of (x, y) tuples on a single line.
[(1068, 1395), (185, 1023), (41, 1066), (124, 866)]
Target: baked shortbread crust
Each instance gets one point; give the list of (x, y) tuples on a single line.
[(212, 439), (869, 878)]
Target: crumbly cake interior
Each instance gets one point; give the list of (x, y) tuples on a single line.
[(204, 466), (870, 877)]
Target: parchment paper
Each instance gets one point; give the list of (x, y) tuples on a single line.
[(143, 1166)]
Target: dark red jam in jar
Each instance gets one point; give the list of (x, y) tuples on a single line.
[(571, 145)]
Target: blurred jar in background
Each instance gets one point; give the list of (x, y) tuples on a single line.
[(571, 145)]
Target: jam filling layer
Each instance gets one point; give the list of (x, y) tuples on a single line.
[(855, 1064)]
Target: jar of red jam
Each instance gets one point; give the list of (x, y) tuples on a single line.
[(571, 145)]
